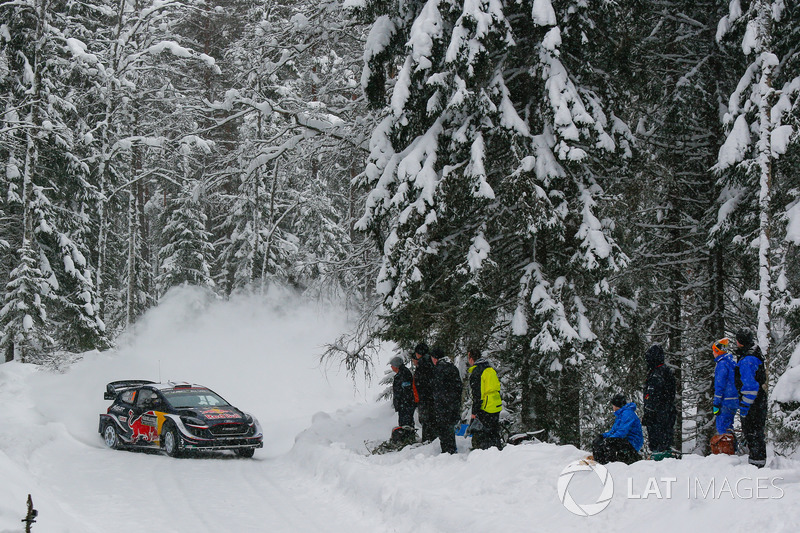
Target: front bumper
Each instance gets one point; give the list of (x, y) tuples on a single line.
[(205, 441), (223, 444)]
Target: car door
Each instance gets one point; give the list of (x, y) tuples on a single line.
[(144, 418), (121, 410)]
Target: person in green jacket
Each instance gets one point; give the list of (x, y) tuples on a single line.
[(486, 402)]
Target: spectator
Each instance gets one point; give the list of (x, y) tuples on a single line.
[(659, 403), (624, 440), (447, 387), (486, 402)]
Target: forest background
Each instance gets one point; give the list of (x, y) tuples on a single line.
[(560, 183)]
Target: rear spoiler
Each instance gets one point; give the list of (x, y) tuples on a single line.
[(115, 387)]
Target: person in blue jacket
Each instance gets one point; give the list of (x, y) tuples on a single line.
[(624, 440), (726, 397), (751, 381)]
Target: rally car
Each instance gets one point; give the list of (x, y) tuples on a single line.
[(175, 418)]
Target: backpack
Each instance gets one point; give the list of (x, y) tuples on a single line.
[(725, 443)]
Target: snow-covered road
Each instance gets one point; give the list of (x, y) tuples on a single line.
[(125, 491), (259, 354)]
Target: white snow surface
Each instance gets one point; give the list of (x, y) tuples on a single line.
[(315, 473)]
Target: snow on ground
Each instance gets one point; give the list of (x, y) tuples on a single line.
[(315, 472)]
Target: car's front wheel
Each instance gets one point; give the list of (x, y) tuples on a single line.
[(245, 452), (110, 436), (171, 441)]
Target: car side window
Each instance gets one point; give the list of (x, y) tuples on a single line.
[(128, 396), (145, 399)]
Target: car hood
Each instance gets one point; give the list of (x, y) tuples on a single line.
[(216, 415)]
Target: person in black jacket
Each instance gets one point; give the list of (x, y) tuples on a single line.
[(402, 393), (659, 403), (751, 379), (447, 387), (423, 389)]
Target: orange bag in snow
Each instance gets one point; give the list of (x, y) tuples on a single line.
[(725, 443)]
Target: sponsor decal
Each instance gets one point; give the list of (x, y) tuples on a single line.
[(150, 420), (139, 430), (219, 414)]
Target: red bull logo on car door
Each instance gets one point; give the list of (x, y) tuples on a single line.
[(147, 426)]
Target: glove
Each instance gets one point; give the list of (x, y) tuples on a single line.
[(715, 410)]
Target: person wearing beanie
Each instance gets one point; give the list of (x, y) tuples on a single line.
[(751, 382), (447, 387), (624, 440), (486, 401), (423, 389), (659, 403), (402, 393)]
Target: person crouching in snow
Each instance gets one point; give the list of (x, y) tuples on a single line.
[(726, 397), (624, 440)]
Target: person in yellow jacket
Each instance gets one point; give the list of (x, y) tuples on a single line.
[(486, 402)]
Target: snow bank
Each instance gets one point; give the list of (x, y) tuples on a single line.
[(421, 490)]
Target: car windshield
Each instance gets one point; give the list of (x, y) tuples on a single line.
[(182, 398)]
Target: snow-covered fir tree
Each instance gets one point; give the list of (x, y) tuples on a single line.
[(187, 255), (485, 192)]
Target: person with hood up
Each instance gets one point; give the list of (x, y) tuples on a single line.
[(624, 440), (423, 389), (659, 403), (447, 387), (402, 393), (751, 382)]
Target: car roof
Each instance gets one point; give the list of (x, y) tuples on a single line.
[(176, 385)]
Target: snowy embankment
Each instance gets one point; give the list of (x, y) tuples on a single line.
[(315, 473), (514, 490)]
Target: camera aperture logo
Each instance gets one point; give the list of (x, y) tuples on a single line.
[(585, 509)]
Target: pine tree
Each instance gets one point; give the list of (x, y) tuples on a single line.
[(485, 192), (187, 255), (23, 317)]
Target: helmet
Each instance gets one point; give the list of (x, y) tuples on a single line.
[(720, 347)]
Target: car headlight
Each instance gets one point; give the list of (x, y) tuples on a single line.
[(193, 424)]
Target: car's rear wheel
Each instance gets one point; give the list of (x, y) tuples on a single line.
[(110, 436), (171, 441), (245, 452)]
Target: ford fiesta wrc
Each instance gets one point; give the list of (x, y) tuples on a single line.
[(175, 418)]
